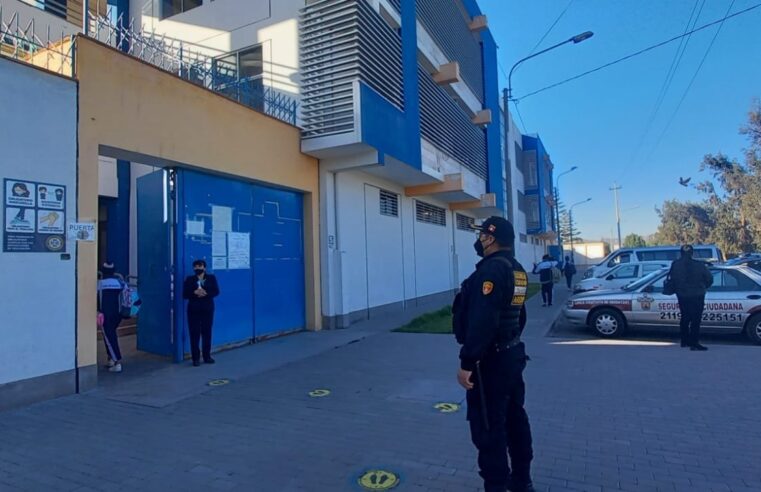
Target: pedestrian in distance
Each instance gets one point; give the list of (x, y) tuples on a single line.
[(569, 270), (691, 279), (489, 315), (546, 270), (200, 289)]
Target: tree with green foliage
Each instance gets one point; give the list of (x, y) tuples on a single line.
[(634, 241), (730, 214)]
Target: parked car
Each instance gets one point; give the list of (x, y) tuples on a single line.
[(733, 305), (752, 260), (651, 254), (618, 277)]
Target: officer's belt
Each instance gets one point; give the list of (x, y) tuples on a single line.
[(503, 346)]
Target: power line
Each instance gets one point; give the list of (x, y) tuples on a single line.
[(675, 61), (689, 86), (645, 50), (520, 116), (549, 30)]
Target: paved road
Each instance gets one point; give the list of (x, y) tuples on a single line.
[(635, 417)]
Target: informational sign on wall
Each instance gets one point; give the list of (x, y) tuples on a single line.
[(81, 231), (34, 217)]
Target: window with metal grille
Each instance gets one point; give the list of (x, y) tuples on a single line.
[(465, 223), (524, 238), (430, 214), (389, 203)]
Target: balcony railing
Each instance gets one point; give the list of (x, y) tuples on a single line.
[(343, 41), (36, 46), (197, 64)]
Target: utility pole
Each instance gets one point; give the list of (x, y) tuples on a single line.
[(615, 190)]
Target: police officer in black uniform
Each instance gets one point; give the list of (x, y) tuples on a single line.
[(489, 317)]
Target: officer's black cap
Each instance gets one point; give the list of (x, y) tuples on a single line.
[(500, 228)]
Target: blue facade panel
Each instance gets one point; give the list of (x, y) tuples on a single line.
[(544, 184)]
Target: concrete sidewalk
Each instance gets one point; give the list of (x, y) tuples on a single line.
[(606, 416)]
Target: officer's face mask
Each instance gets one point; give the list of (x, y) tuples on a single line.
[(198, 271), (479, 247)]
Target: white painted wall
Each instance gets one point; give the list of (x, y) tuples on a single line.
[(371, 260), (108, 181), (231, 25), (38, 317), (465, 254)]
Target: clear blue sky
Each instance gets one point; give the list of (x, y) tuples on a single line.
[(597, 122)]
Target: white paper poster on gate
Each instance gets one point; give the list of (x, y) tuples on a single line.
[(238, 250)]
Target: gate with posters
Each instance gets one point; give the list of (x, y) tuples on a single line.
[(251, 238)]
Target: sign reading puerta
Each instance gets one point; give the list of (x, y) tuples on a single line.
[(34, 215)]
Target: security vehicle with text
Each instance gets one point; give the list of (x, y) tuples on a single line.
[(732, 305)]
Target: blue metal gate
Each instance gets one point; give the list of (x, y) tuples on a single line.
[(251, 238)]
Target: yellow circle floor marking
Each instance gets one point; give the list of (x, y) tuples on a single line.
[(447, 407), (319, 393), (218, 382), (378, 480)]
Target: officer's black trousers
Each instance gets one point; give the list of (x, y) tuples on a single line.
[(508, 426), (199, 326), (691, 308)]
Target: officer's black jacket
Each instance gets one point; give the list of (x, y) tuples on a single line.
[(487, 310)]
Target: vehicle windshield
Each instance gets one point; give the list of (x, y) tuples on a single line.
[(644, 280)]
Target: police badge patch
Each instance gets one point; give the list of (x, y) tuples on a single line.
[(487, 288), (521, 288)]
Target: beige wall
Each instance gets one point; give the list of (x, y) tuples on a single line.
[(130, 105)]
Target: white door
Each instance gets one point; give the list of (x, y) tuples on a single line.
[(383, 240)]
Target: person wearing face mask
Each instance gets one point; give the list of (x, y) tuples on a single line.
[(200, 289), (489, 315)]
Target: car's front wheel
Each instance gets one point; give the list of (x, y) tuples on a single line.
[(753, 328), (607, 323)]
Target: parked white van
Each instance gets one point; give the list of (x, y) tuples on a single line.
[(651, 254), (620, 276)]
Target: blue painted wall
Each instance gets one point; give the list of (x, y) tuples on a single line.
[(535, 144), (117, 247)]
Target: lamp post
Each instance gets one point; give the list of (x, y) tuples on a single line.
[(557, 202), (570, 225), (507, 96)]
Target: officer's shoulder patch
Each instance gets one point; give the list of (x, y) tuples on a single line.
[(487, 288)]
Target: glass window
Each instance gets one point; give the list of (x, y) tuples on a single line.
[(647, 269), (732, 281), (628, 271), (174, 7), (250, 62)]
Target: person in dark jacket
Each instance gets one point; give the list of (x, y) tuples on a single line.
[(691, 279), (200, 290), (110, 305), (569, 270), (546, 278), (489, 317)]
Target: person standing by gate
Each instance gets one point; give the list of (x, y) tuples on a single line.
[(110, 306), (200, 290), (691, 279), (489, 315), (546, 278)]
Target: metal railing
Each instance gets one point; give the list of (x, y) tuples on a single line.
[(195, 63), (35, 46)]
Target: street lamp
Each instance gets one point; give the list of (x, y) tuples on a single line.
[(570, 224), (508, 93), (557, 202)]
